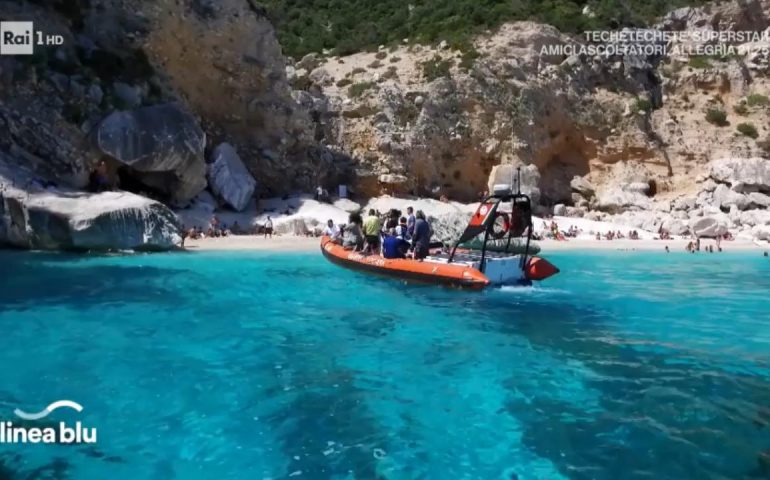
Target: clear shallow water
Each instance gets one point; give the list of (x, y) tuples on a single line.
[(249, 366)]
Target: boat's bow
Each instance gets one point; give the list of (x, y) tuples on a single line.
[(538, 269)]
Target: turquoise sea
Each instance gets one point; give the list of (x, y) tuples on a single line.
[(254, 366)]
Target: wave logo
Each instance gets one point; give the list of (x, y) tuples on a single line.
[(46, 432)]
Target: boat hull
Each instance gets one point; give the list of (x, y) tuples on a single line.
[(456, 275)]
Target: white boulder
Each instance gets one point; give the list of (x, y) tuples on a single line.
[(616, 199), (228, 177), (683, 203), (761, 232), (392, 179), (49, 220), (759, 199), (708, 227), (755, 217), (743, 174), (295, 226), (675, 226), (321, 76), (582, 186), (347, 205), (724, 197)]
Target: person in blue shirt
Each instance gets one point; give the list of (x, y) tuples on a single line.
[(394, 246)]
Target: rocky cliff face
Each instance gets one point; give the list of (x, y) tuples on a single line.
[(614, 134), (433, 120), (219, 61), (637, 136)]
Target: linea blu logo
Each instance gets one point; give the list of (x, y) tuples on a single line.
[(20, 38), (47, 432)]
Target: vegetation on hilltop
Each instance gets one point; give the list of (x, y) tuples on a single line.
[(348, 26)]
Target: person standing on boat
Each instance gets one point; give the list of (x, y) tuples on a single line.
[(372, 227), (401, 229), (410, 221), (421, 236), (352, 237)]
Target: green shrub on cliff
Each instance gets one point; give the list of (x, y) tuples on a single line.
[(747, 129), (757, 100), (741, 109), (436, 68), (348, 26), (716, 117), (699, 61), (469, 58), (642, 105), (344, 82), (358, 89)]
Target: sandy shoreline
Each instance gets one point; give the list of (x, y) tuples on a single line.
[(290, 243), (677, 245)]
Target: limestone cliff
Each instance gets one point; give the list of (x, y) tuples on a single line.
[(641, 129), (154, 87), (220, 61)]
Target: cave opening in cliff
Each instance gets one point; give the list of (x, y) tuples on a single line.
[(653, 190), (153, 185), (556, 176)]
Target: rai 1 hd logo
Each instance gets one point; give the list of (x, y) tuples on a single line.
[(20, 38)]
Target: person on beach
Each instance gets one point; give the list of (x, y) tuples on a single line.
[(269, 227), (372, 227), (421, 236), (667, 250), (213, 230)]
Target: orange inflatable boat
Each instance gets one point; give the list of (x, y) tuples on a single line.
[(463, 267), (454, 274)]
